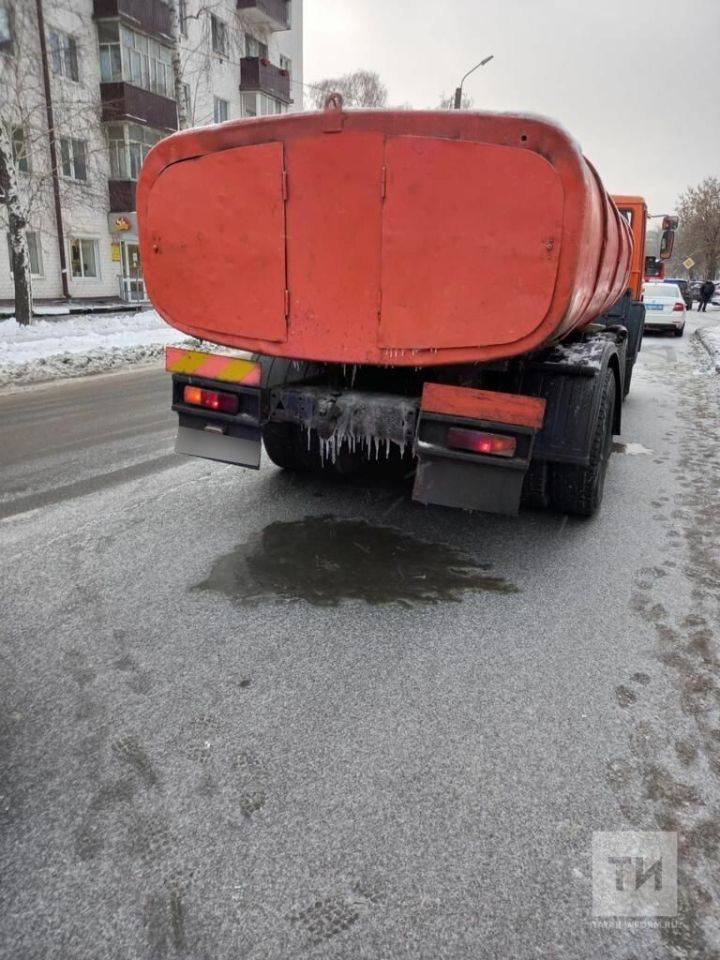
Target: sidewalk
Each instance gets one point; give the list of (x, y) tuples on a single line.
[(63, 308)]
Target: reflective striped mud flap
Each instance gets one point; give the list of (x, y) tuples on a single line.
[(217, 398)]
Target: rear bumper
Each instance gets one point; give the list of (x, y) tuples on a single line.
[(446, 430), (358, 420), (655, 322)]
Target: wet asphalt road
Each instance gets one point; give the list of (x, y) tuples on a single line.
[(407, 761)]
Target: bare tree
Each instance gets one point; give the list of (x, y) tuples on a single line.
[(699, 211), (363, 88), (17, 224), (177, 65), (193, 56), (26, 173)]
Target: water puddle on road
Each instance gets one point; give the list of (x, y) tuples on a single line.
[(324, 561)]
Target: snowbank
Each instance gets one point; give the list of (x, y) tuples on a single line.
[(710, 339), (709, 333), (79, 345)]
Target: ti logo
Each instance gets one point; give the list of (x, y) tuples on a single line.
[(634, 874)]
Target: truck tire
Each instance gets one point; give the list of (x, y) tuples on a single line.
[(579, 490), (286, 446)]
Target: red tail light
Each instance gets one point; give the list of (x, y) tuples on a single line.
[(678, 308), (210, 399), (494, 444)]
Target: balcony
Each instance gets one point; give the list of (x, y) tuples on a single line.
[(258, 74), (123, 101), (153, 17), (271, 15), (122, 195)]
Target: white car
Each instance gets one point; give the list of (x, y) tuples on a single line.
[(664, 307)]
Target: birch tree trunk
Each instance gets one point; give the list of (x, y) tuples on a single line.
[(17, 224), (176, 61)]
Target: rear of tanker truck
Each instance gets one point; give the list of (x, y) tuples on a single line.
[(447, 290)]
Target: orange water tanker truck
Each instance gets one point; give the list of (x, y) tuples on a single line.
[(454, 291)]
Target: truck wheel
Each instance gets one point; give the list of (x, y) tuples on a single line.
[(578, 490), (286, 446)]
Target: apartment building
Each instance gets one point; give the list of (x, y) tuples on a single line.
[(121, 75)]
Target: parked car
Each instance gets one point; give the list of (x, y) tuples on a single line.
[(664, 307), (684, 286)]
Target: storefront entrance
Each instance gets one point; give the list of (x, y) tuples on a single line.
[(132, 285)]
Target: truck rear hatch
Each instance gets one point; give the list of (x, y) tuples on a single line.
[(355, 238)]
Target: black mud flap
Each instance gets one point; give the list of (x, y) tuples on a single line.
[(452, 477), (492, 488)]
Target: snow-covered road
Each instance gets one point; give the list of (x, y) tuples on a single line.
[(191, 757)]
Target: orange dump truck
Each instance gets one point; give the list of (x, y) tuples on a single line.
[(449, 288)]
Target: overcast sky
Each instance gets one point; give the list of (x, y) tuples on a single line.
[(637, 82)]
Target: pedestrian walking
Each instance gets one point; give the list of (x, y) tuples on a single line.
[(707, 292)]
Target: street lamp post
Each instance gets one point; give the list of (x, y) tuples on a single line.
[(458, 91)]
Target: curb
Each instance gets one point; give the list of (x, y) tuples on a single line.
[(710, 348), (78, 309)]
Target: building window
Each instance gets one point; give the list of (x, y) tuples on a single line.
[(220, 110), (34, 252), (63, 55), (83, 258), (255, 47), (131, 56), (110, 55), (21, 155), (182, 16), (6, 29), (260, 105), (219, 33), (286, 64), (248, 104), (129, 145), (73, 157)]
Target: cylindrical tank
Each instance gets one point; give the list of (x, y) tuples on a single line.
[(380, 237)]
